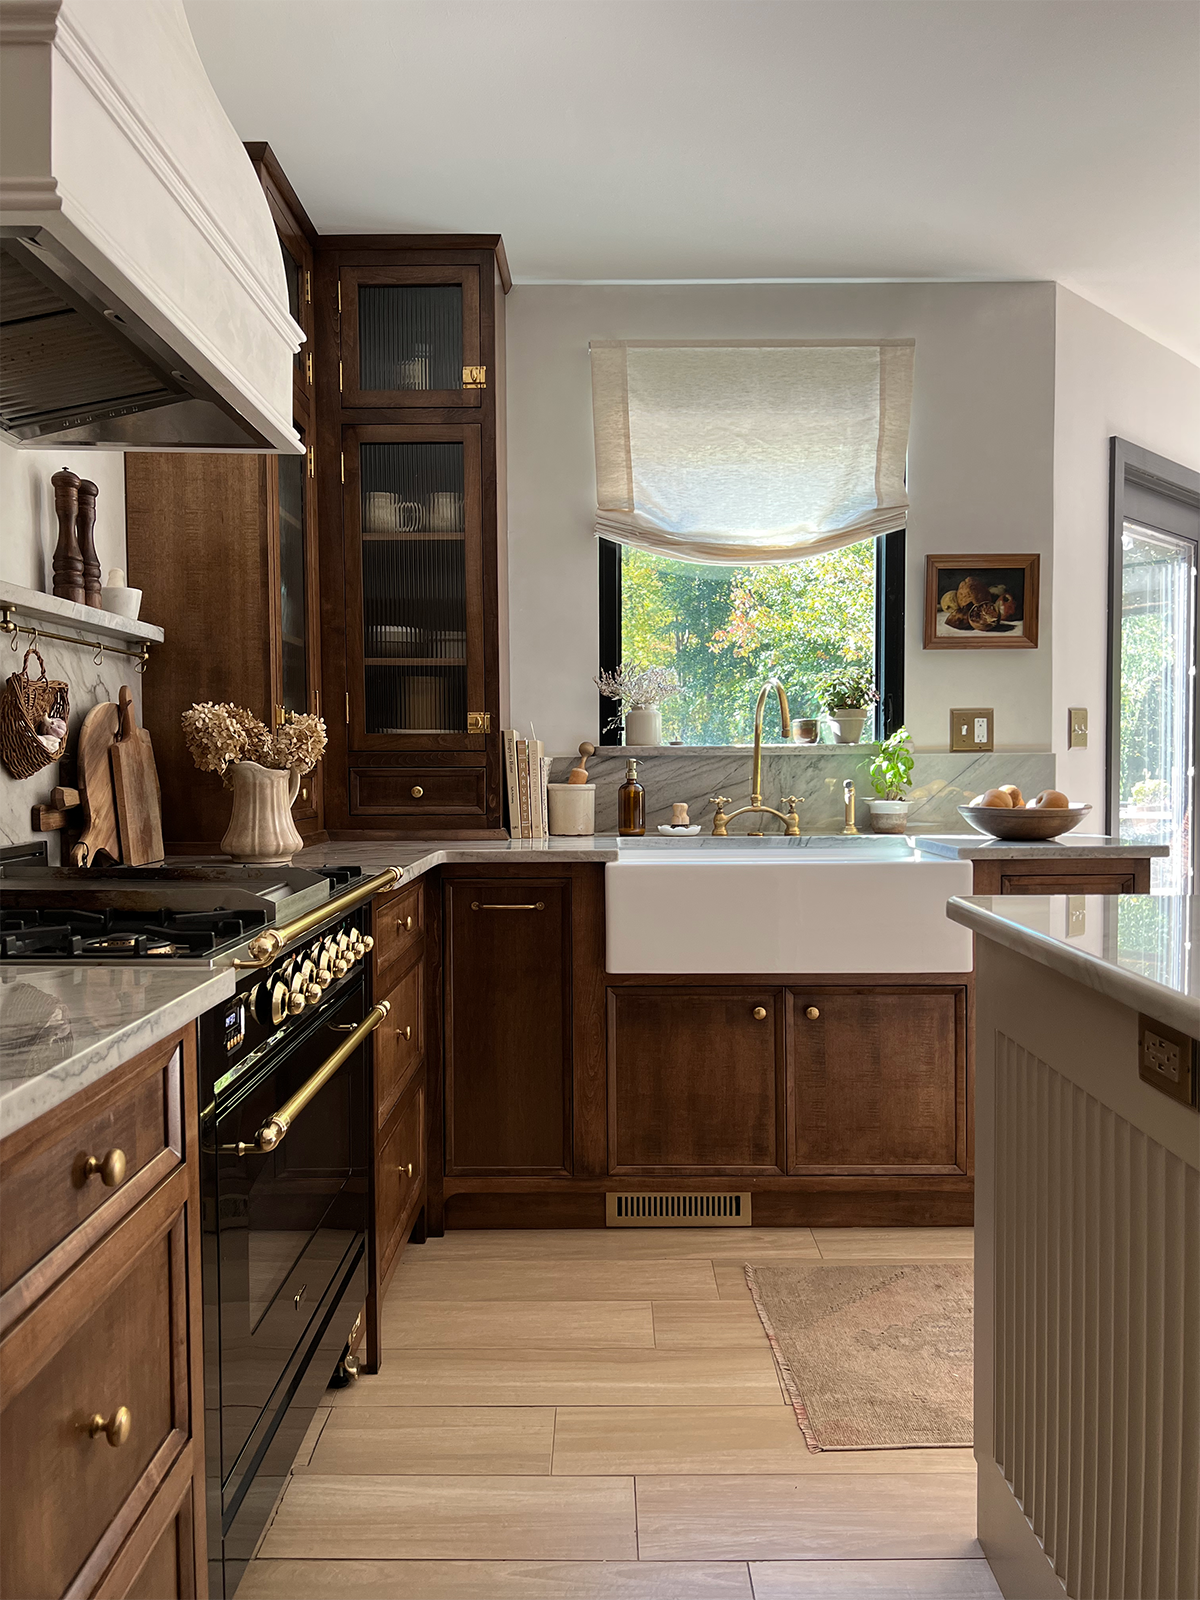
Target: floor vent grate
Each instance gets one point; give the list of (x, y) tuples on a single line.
[(678, 1210)]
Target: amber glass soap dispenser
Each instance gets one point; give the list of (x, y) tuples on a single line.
[(631, 803)]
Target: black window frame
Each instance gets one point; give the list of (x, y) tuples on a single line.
[(889, 629)]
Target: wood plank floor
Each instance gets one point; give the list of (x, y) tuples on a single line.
[(595, 1415)]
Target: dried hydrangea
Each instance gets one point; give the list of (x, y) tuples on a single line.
[(638, 688), (218, 735)]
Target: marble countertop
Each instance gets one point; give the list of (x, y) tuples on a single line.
[(1068, 846), (1142, 950), (63, 1027)]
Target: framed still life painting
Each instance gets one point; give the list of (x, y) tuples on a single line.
[(981, 602)]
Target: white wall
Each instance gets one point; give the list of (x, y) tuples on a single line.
[(1109, 379), (980, 470), (30, 531)]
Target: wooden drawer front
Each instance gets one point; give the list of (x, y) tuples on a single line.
[(399, 1040), (400, 1173), (398, 923), (879, 1081), (113, 1333), (1067, 883), (393, 791), (695, 1080), (45, 1193)]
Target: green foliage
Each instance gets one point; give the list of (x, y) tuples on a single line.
[(1146, 659), (852, 689), (891, 766), (725, 629)]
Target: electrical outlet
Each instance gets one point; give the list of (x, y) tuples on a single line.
[(1077, 728), (1165, 1059), (971, 728)]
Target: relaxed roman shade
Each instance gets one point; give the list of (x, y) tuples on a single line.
[(754, 451)]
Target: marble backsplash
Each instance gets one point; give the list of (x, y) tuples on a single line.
[(89, 684), (942, 781)]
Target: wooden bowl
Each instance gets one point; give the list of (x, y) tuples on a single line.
[(1024, 824)]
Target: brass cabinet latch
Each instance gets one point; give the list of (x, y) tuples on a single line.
[(474, 378), (308, 367), (479, 722)]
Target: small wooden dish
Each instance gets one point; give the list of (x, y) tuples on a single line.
[(1024, 823)]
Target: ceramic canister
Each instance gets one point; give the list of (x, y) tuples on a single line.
[(572, 809)]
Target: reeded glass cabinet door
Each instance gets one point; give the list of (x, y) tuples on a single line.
[(411, 336), (414, 586)]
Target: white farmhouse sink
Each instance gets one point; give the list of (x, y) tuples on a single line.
[(819, 905)]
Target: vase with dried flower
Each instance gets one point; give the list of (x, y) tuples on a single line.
[(639, 693), (263, 768)]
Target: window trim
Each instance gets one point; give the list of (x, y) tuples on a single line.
[(890, 593)]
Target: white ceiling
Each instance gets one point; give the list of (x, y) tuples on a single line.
[(747, 139)]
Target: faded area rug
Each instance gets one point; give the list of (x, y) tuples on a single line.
[(874, 1356)]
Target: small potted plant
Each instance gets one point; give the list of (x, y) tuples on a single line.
[(639, 693), (891, 775), (847, 696), (263, 769)]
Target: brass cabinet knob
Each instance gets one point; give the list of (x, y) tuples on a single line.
[(417, 791), (368, 942), (760, 1013), (116, 1429), (404, 926), (295, 1003), (811, 1013), (406, 1169), (110, 1166), (404, 1033)]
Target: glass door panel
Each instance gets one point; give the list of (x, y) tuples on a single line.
[(411, 337), (292, 589), (1157, 725)]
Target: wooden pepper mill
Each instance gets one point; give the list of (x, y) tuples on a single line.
[(85, 529), (68, 562)]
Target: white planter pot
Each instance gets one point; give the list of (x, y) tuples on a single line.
[(889, 816), (261, 827), (846, 724), (643, 727), (572, 809)]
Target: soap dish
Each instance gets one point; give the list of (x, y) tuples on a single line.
[(667, 827)]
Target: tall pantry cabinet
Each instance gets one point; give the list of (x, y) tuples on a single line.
[(410, 384)]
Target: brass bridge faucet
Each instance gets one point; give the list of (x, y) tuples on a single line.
[(791, 822)]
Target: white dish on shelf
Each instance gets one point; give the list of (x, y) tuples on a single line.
[(667, 827)]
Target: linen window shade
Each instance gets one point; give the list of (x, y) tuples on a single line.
[(756, 451)]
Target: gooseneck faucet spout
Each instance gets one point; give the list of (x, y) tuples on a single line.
[(791, 821)]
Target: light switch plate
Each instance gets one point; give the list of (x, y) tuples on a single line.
[(1077, 729), (971, 728)]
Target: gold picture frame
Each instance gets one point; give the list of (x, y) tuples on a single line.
[(981, 602)]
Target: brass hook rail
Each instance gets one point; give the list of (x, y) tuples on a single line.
[(97, 646)]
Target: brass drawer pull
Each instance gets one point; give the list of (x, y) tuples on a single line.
[(116, 1429), (485, 905), (274, 1129), (417, 791), (110, 1166), (297, 1299), (404, 926), (811, 1013), (406, 1169), (405, 1032), (760, 1013)]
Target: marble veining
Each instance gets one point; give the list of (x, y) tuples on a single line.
[(1068, 846), (1141, 950), (63, 1027)]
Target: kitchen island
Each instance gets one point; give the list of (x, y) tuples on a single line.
[(1087, 1311)]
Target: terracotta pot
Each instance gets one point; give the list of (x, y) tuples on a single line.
[(261, 827), (889, 816), (643, 727)]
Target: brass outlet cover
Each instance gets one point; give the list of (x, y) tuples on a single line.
[(964, 730), (1077, 728)]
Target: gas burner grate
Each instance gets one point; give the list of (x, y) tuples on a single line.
[(115, 935)]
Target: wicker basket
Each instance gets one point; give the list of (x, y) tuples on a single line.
[(25, 701)]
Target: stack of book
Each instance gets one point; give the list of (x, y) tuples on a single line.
[(527, 772)]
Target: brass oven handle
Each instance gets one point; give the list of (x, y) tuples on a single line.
[(274, 1130), (116, 1429), (485, 905), (265, 946)]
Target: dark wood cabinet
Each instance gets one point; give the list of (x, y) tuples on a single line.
[(1066, 875), (878, 1080), (696, 1080), (411, 384), (224, 549), (508, 1049)]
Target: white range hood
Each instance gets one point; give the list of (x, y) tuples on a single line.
[(143, 303)]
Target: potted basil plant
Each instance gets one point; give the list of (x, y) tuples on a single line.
[(891, 775), (847, 697)]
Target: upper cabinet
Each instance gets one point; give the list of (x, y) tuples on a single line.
[(410, 381)]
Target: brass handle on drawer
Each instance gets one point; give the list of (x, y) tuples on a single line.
[(417, 791), (404, 926), (486, 905), (265, 946), (274, 1129), (760, 1013), (110, 1166), (406, 1168), (116, 1429), (405, 1032), (811, 1013), (296, 1299)]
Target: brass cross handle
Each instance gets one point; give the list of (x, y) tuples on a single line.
[(720, 826)]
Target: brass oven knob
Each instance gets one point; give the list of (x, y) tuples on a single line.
[(110, 1166), (116, 1429), (324, 977), (811, 1013), (312, 993), (368, 943), (295, 1003), (279, 1002), (760, 1013), (340, 968)]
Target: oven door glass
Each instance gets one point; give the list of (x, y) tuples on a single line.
[(287, 1220)]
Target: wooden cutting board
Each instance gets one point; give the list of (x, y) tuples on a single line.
[(135, 784), (99, 842)]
